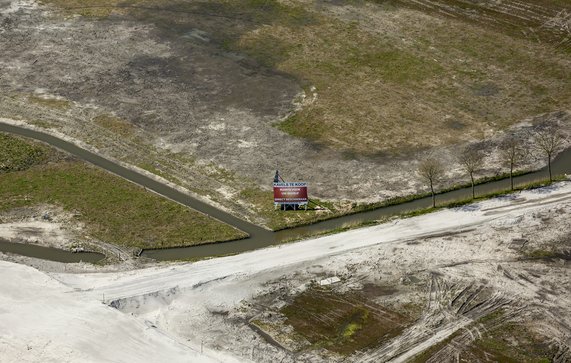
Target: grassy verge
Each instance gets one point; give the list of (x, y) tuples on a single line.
[(412, 197), (419, 212), (112, 209), (263, 203), (462, 202), (15, 154), (279, 220)]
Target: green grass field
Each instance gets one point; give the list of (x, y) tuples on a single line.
[(113, 210), (18, 155)]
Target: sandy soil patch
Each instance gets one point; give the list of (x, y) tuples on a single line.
[(500, 262)]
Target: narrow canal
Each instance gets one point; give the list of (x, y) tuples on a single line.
[(259, 237)]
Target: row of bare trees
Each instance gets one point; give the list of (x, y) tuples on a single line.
[(513, 152)]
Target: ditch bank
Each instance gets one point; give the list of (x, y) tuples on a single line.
[(258, 237)]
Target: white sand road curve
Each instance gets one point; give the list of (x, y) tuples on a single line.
[(60, 317)]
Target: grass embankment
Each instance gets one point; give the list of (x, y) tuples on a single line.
[(321, 210), (419, 212), (16, 155), (112, 209)]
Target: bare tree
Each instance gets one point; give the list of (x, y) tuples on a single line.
[(549, 141), (471, 159), (512, 154), (431, 170)]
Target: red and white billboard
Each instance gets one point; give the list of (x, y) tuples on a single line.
[(290, 193)]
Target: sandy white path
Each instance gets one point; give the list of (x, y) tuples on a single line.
[(141, 282), (45, 320)]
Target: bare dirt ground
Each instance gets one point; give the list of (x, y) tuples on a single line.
[(159, 88), (52, 226), (471, 288), (484, 282)]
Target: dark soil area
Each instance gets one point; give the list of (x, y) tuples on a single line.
[(343, 323)]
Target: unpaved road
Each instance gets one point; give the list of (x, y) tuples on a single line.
[(464, 253), (120, 286)]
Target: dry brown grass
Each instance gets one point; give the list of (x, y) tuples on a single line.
[(402, 79), (50, 102), (115, 124), (390, 77)]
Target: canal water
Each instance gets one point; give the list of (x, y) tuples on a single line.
[(560, 165), (48, 253)]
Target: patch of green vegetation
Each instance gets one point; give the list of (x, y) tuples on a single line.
[(541, 254), (395, 65), (307, 126), (112, 209), (268, 50), (490, 318), (17, 154), (116, 125), (342, 323), (54, 103), (355, 323)]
